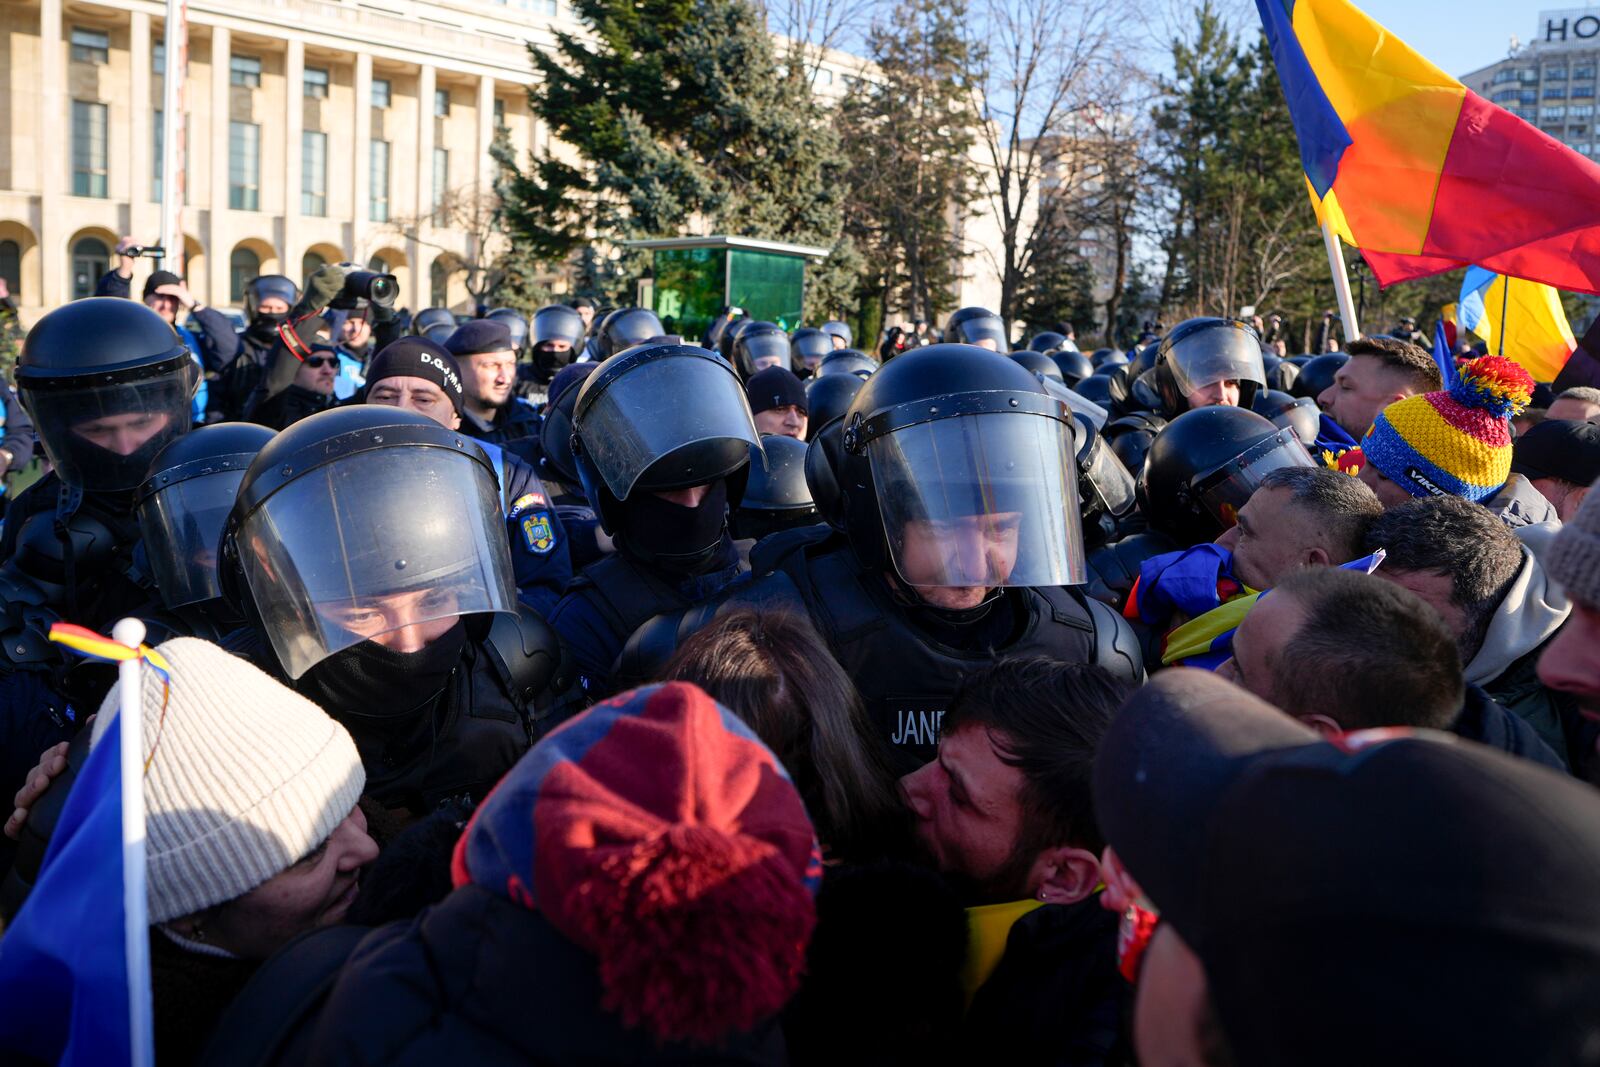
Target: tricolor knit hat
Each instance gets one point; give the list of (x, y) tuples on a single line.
[(1456, 442), (1574, 556), (246, 777), (656, 832)]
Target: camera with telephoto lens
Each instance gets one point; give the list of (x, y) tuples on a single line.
[(365, 287), (153, 251)]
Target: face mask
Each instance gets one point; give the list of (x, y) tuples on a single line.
[(549, 361), (370, 682), (266, 323), (671, 535)]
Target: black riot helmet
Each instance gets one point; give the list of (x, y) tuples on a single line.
[(811, 346), (1096, 387), (776, 496), (516, 324), (1282, 376), (265, 286), (1102, 358), (828, 397), (958, 470), (1298, 413), (359, 521), (553, 326), (839, 330), (1317, 375), (555, 425), (660, 417), (1199, 353), (761, 345), (1046, 340), (431, 318), (1074, 366), (1203, 466), (729, 336), (183, 506), (624, 328), (977, 326), (1039, 363), (108, 383), (848, 361)]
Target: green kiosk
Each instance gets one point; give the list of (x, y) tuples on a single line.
[(693, 278)]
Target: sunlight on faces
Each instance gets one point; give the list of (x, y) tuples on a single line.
[(1572, 409), (987, 342), (490, 376), (163, 305), (967, 808), (1271, 537), (971, 549), (123, 434), (1361, 388), (763, 362), (786, 421), (318, 372), (356, 331), (1217, 394), (400, 622), (1257, 644), (415, 394)]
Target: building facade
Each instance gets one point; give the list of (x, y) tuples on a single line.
[(1551, 81)]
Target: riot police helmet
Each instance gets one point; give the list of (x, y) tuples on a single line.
[(776, 497), (848, 361), (624, 328), (269, 287), (108, 384), (1074, 366), (1298, 413), (1200, 358), (958, 471), (1039, 363), (1317, 375), (811, 346), (1096, 387), (183, 506), (555, 424), (657, 418), (361, 521), (829, 396), (1103, 358), (1105, 487), (840, 331), (1282, 377), (429, 318), (554, 337), (440, 333), (760, 345), (516, 323), (977, 326), (1046, 341), (1203, 466)]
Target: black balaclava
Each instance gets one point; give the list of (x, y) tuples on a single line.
[(369, 686), (671, 536), (547, 363)]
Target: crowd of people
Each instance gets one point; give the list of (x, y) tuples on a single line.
[(563, 690)]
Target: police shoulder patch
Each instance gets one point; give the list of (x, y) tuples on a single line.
[(526, 501), (538, 533)]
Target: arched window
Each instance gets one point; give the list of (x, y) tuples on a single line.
[(243, 266), (11, 268), (377, 264), (439, 276), (310, 263), (90, 259)]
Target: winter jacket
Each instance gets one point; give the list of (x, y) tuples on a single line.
[(480, 980), (1506, 664), (513, 421), (1484, 721), (1523, 508), (189, 993)]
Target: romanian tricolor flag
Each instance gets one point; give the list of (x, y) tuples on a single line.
[(1522, 320), (1419, 172)]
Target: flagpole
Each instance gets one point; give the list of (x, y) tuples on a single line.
[(1505, 298), (135, 903), (174, 105), (1341, 283)]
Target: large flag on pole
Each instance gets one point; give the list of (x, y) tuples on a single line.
[(1419, 172), (1521, 320), (74, 964)]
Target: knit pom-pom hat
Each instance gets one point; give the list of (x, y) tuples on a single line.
[(656, 832), (1456, 442)]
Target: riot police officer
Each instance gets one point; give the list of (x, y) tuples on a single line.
[(517, 325), (620, 329), (977, 326), (550, 453), (957, 542), (839, 331), (491, 410), (662, 442), (809, 346), (267, 300), (366, 548), (776, 497), (554, 338), (108, 385), (760, 345)]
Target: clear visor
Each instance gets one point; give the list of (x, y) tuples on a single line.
[(861, 366), (1079, 405), (103, 437), (812, 347), (181, 526), (350, 551), (1111, 481), (660, 412), (1220, 355), (767, 350), (988, 332), (1228, 488), (981, 500), (553, 326)]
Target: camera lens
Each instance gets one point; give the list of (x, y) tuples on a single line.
[(383, 291)]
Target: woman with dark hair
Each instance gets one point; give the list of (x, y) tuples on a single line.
[(773, 670)]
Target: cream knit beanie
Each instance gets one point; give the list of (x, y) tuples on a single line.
[(246, 777), (1574, 556)]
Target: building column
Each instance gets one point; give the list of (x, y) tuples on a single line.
[(361, 199), (426, 83), (55, 174), (485, 166), (218, 245), (294, 78), (143, 223)]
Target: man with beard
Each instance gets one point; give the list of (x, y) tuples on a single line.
[(1006, 812), (490, 409)]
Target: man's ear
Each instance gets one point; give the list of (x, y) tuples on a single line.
[(1066, 874), (1321, 724), (455, 420), (1317, 556)]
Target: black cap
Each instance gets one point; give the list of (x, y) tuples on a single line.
[(775, 387), (1558, 448), (480, 335), (418, 357), (1436, 894), (159, 278)]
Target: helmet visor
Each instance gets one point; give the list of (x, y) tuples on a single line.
[(1212, 356), (1110, 479), (682, 420), (766, 350), (1078, 405), (346, 552), (102, 438), (862, 366), (986, 332), (181, 526), (1228, 488), (812, 347), (980, 500)]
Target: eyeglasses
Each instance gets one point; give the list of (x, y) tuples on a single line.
[(322, 361)]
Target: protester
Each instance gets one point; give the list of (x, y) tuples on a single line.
[(1562, 459), (1581, 403), (1492, 594), (166, 294), (1299, 517), (778, 402), (1379, 372), (1006, 811), (1271, 869), (1382, 657)]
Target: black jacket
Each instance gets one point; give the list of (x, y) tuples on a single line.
[(479, 980), (516, 420), (1486, 722)]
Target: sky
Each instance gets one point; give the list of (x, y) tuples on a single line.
[(1461, 35)]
